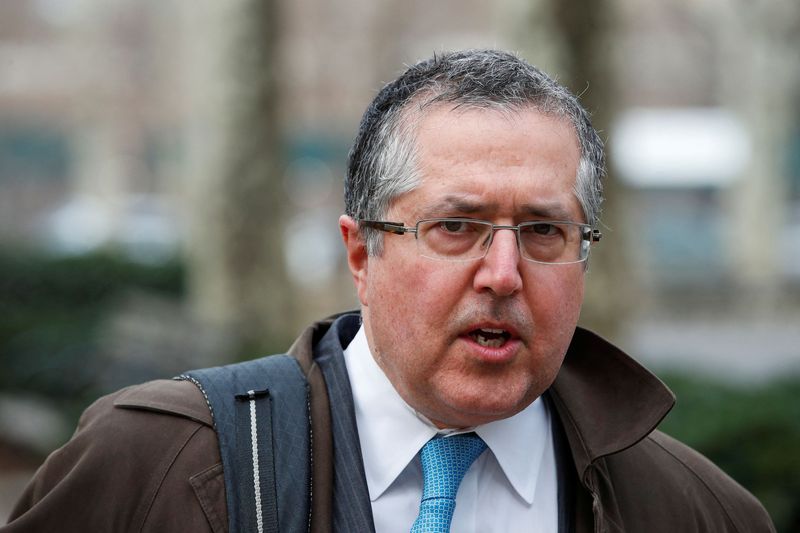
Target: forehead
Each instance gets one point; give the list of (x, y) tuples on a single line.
[(497, 162)]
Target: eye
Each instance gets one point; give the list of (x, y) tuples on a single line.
[(542, 228), (454, 226)]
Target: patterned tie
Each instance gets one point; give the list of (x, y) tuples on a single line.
[(444, 463)]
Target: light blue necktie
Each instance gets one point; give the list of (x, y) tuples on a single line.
[(444, 463)]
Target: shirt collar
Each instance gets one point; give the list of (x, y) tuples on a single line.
[(518, 444), (387, 423)]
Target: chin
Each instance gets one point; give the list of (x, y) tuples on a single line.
[(485, 409)]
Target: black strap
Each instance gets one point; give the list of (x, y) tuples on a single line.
[(253, 416), (271, 481)]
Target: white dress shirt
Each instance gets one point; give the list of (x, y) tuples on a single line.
[(511, 487)]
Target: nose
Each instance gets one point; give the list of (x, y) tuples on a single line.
[(499, 269)]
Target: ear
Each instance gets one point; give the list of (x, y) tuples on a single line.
[(357, 258)]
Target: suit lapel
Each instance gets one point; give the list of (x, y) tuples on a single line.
[(352, 510)]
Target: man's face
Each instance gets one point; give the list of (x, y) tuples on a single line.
[(423, 317)]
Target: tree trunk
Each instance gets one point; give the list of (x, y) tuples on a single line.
[(585, 29), (252, 192)]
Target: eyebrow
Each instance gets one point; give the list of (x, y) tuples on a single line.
[(460, 204), (549, 210), (467, 205)]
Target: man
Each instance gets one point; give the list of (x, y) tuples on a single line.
[(472, 195)]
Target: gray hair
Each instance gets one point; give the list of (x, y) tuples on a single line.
[(382, 161)]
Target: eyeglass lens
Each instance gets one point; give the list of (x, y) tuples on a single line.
[(459, 240)]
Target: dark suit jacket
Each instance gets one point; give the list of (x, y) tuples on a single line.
[(146, 458)]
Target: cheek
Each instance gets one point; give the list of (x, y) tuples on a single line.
[(418, 287), (555, 297), (395, 295), (410, 305)]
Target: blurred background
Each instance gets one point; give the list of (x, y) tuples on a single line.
[(171, 177)]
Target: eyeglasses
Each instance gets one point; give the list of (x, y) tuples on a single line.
[(465, 239)]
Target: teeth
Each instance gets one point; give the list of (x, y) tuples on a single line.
[(490, 337), (495, 342)]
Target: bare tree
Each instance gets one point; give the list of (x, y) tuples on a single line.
[(252, 194), (584, 29)]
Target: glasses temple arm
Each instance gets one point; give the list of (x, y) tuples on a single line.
[(391, 227)]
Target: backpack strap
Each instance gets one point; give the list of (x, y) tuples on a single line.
[(267, 426)]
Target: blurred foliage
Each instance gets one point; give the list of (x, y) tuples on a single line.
[(50, 309), (752, 433)]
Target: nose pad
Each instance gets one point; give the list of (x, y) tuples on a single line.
[(585, 247)]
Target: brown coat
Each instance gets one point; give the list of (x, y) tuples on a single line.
[(146, 459)]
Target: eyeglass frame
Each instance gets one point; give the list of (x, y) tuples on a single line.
[(399, 228)]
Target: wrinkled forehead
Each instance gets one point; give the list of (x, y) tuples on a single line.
[(472, 160), (422, 108)]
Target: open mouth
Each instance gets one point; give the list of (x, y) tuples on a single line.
[(490, 337)]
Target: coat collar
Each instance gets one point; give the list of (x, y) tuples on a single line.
[(324, 341), (607, 402)]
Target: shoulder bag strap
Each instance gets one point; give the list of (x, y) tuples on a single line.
[(262, 411)]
